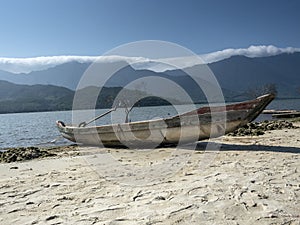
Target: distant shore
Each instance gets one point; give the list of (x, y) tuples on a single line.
[(149, 103)]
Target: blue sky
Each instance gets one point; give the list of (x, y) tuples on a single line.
[(91, 27)]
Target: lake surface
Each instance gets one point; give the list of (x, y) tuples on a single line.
[(33, 129)]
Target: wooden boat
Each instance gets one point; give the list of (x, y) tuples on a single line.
[(199, 124), (286, 115), (274, 112)]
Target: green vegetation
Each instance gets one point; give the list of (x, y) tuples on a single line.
[(32, 98), (36, 98)]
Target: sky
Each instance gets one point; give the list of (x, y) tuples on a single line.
[(34, 28)]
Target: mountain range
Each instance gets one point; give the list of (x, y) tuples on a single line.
[(16, 98), (238, 76), (31, 98)]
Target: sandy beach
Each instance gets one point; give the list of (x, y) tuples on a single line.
[(250, 179)]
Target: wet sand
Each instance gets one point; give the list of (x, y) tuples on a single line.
[(248, 180)]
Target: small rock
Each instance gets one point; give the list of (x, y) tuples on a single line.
[(51, 217), (160, 198), (12, 158), (14, 168), (271, 215), (188, 174)]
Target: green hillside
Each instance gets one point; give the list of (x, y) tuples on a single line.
[(15, 98)]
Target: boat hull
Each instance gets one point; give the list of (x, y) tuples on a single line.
[(193, 126)]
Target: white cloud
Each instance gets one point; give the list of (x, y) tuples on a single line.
[(188, 61), (252, 51), (26, 65)]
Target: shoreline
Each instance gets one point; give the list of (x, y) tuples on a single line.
[(253, 129), (250, 179)]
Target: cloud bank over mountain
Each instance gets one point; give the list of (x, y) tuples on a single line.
[(26, 65), (252, 52)]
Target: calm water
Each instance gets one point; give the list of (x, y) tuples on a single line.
[(31, 129)]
